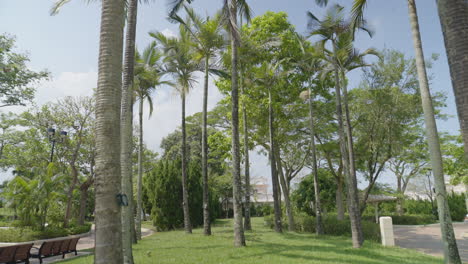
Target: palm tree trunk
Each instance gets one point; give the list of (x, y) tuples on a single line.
[(206, 199), (239, 238), (247, 221), (284, 186), (108, 242), (353, 192), (126, 127), (318, 208), (454, 21), (451, 254), (140, 171), (353, 208), (185, 200), (274, 173)]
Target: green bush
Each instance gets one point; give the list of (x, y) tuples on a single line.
[(457, 206), (405, 219), (331, 226), (28, 234)]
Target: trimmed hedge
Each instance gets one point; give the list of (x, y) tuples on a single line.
[(406, 219), (331, 226), (27, 234)]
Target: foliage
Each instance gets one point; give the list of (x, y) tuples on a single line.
[(17, 82), (457, 204), (331, 226), (265, 246), (163, 189), (303, 197), (28, 234)]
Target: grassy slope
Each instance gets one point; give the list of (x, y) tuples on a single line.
[(264, 246)]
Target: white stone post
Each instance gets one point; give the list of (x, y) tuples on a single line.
[(386, 231)]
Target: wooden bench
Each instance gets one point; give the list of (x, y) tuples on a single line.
[(15, 254), (56, 247)]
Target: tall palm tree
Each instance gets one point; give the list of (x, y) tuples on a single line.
[(126, 126), (179, 61), (148, 74), (108, 242), (454, 21), (451, 254), (207, 40), (330, 29), (310, 64), (231, 9)]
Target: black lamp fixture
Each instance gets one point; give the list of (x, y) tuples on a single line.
[(53, 139)]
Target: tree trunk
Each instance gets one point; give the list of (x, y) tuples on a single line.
[(339, 199), (284, 185), (206, 198), (126, 127), (108, 242), (274, 173), (353, 208), (399, 201), (239, 238), (185, 199), (318, 208), (84, 200), (451, 254), (140, 171), (71, 188), (247, 221), (454, 22)]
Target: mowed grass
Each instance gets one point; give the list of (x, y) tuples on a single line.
[(263, 246)]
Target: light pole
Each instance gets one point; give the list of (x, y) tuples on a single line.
[(53, 140)]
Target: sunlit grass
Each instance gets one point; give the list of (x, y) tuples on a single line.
[(263, 246)]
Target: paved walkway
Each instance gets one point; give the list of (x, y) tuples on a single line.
[(427, 239)]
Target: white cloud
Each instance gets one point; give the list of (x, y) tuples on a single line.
[(169, 33)]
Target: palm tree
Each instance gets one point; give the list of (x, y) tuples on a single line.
[(454, 27), (230, 12), (330, 29), (108, 242), (148, 74), (126, 127), (207, 40), (310, 64), (179, 61), (454, 21), (451, 254)]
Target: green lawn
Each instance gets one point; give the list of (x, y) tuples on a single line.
[(263, 246)]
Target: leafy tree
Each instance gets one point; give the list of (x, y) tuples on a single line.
[(17, 81), (304, 195)]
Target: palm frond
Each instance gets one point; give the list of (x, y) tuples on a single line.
[(175, 5), (321, 3), (357, 14), (55, 9)]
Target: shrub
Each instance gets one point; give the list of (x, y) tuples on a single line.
[(331, 226), (28, 234), (405, 219), (457, 206)]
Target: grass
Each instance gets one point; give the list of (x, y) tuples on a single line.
[(263, 246)]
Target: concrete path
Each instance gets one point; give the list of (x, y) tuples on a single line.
[(427, 239)]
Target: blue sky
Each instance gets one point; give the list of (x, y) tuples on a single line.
[(67, 45)]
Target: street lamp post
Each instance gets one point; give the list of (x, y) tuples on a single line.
[(53, 140)]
